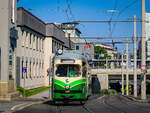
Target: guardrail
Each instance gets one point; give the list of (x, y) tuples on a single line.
[(114, 63)]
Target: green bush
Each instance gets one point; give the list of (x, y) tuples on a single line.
[(108, 91), (32, 91), (104, 91), (112, 91)]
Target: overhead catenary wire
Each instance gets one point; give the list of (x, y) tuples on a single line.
[(115, 7), (117, 42), (126, 7), (117, 37), (68, 2), (58, 7), (103, 21)]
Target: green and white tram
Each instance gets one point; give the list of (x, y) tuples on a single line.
[(71, 79)]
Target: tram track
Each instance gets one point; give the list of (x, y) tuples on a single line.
[(112, 107), (59, 108), (87, 109)]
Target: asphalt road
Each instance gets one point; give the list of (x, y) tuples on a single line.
[(96, 104)]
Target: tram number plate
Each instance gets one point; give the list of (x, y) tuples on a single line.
[(67, 91)]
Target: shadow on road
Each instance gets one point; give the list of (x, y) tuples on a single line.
[(62, 103)]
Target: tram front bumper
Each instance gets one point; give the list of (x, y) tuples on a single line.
[(68, 97), (71, 95)]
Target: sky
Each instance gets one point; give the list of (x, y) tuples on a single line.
[(92, 10)]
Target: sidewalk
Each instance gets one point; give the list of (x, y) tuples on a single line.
[(21, 103), (138, 98)]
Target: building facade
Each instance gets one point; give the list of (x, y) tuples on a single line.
[(30, 50), (54, 40), (86, 47), (8, 37), (147, 29), (36, 46), (70, 30)]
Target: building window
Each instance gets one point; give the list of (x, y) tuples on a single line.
[(37, 43), (23, 38), (27, 40), (30, 38), (26, 68), (43, 69), (53, 46), (37, 70), (33, 41), (77, 47), (33, 72), (42, 43), (22, 69), (0, 63), (30, 70)]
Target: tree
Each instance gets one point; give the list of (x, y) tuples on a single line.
[(98, 50)]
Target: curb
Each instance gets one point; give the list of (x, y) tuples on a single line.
[(136, 100), (25, 105)]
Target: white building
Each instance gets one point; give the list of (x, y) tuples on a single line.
[(36, 45), (30, 50), (70, 29)]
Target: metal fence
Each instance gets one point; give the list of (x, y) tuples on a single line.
[(114, 63)]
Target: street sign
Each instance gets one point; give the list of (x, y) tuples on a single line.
[(100, 55), (24, 69), (143, 68), (48, 70), (90, 60)]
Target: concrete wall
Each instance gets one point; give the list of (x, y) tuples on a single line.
[(103, 79), (47, 58), (5, 25), (4, 41)]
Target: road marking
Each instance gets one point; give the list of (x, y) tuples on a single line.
[(20, 105), (6, 112), (101, 97)]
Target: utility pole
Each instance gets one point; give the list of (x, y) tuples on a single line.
[(127, 64), (135, 60), (143, 54), (122, 68)]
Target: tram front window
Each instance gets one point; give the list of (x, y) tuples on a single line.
[(68, 70)]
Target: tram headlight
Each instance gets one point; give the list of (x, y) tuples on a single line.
[(67, 87), (59, 51)]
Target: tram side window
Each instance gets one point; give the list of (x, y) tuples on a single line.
[(84, 69)]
